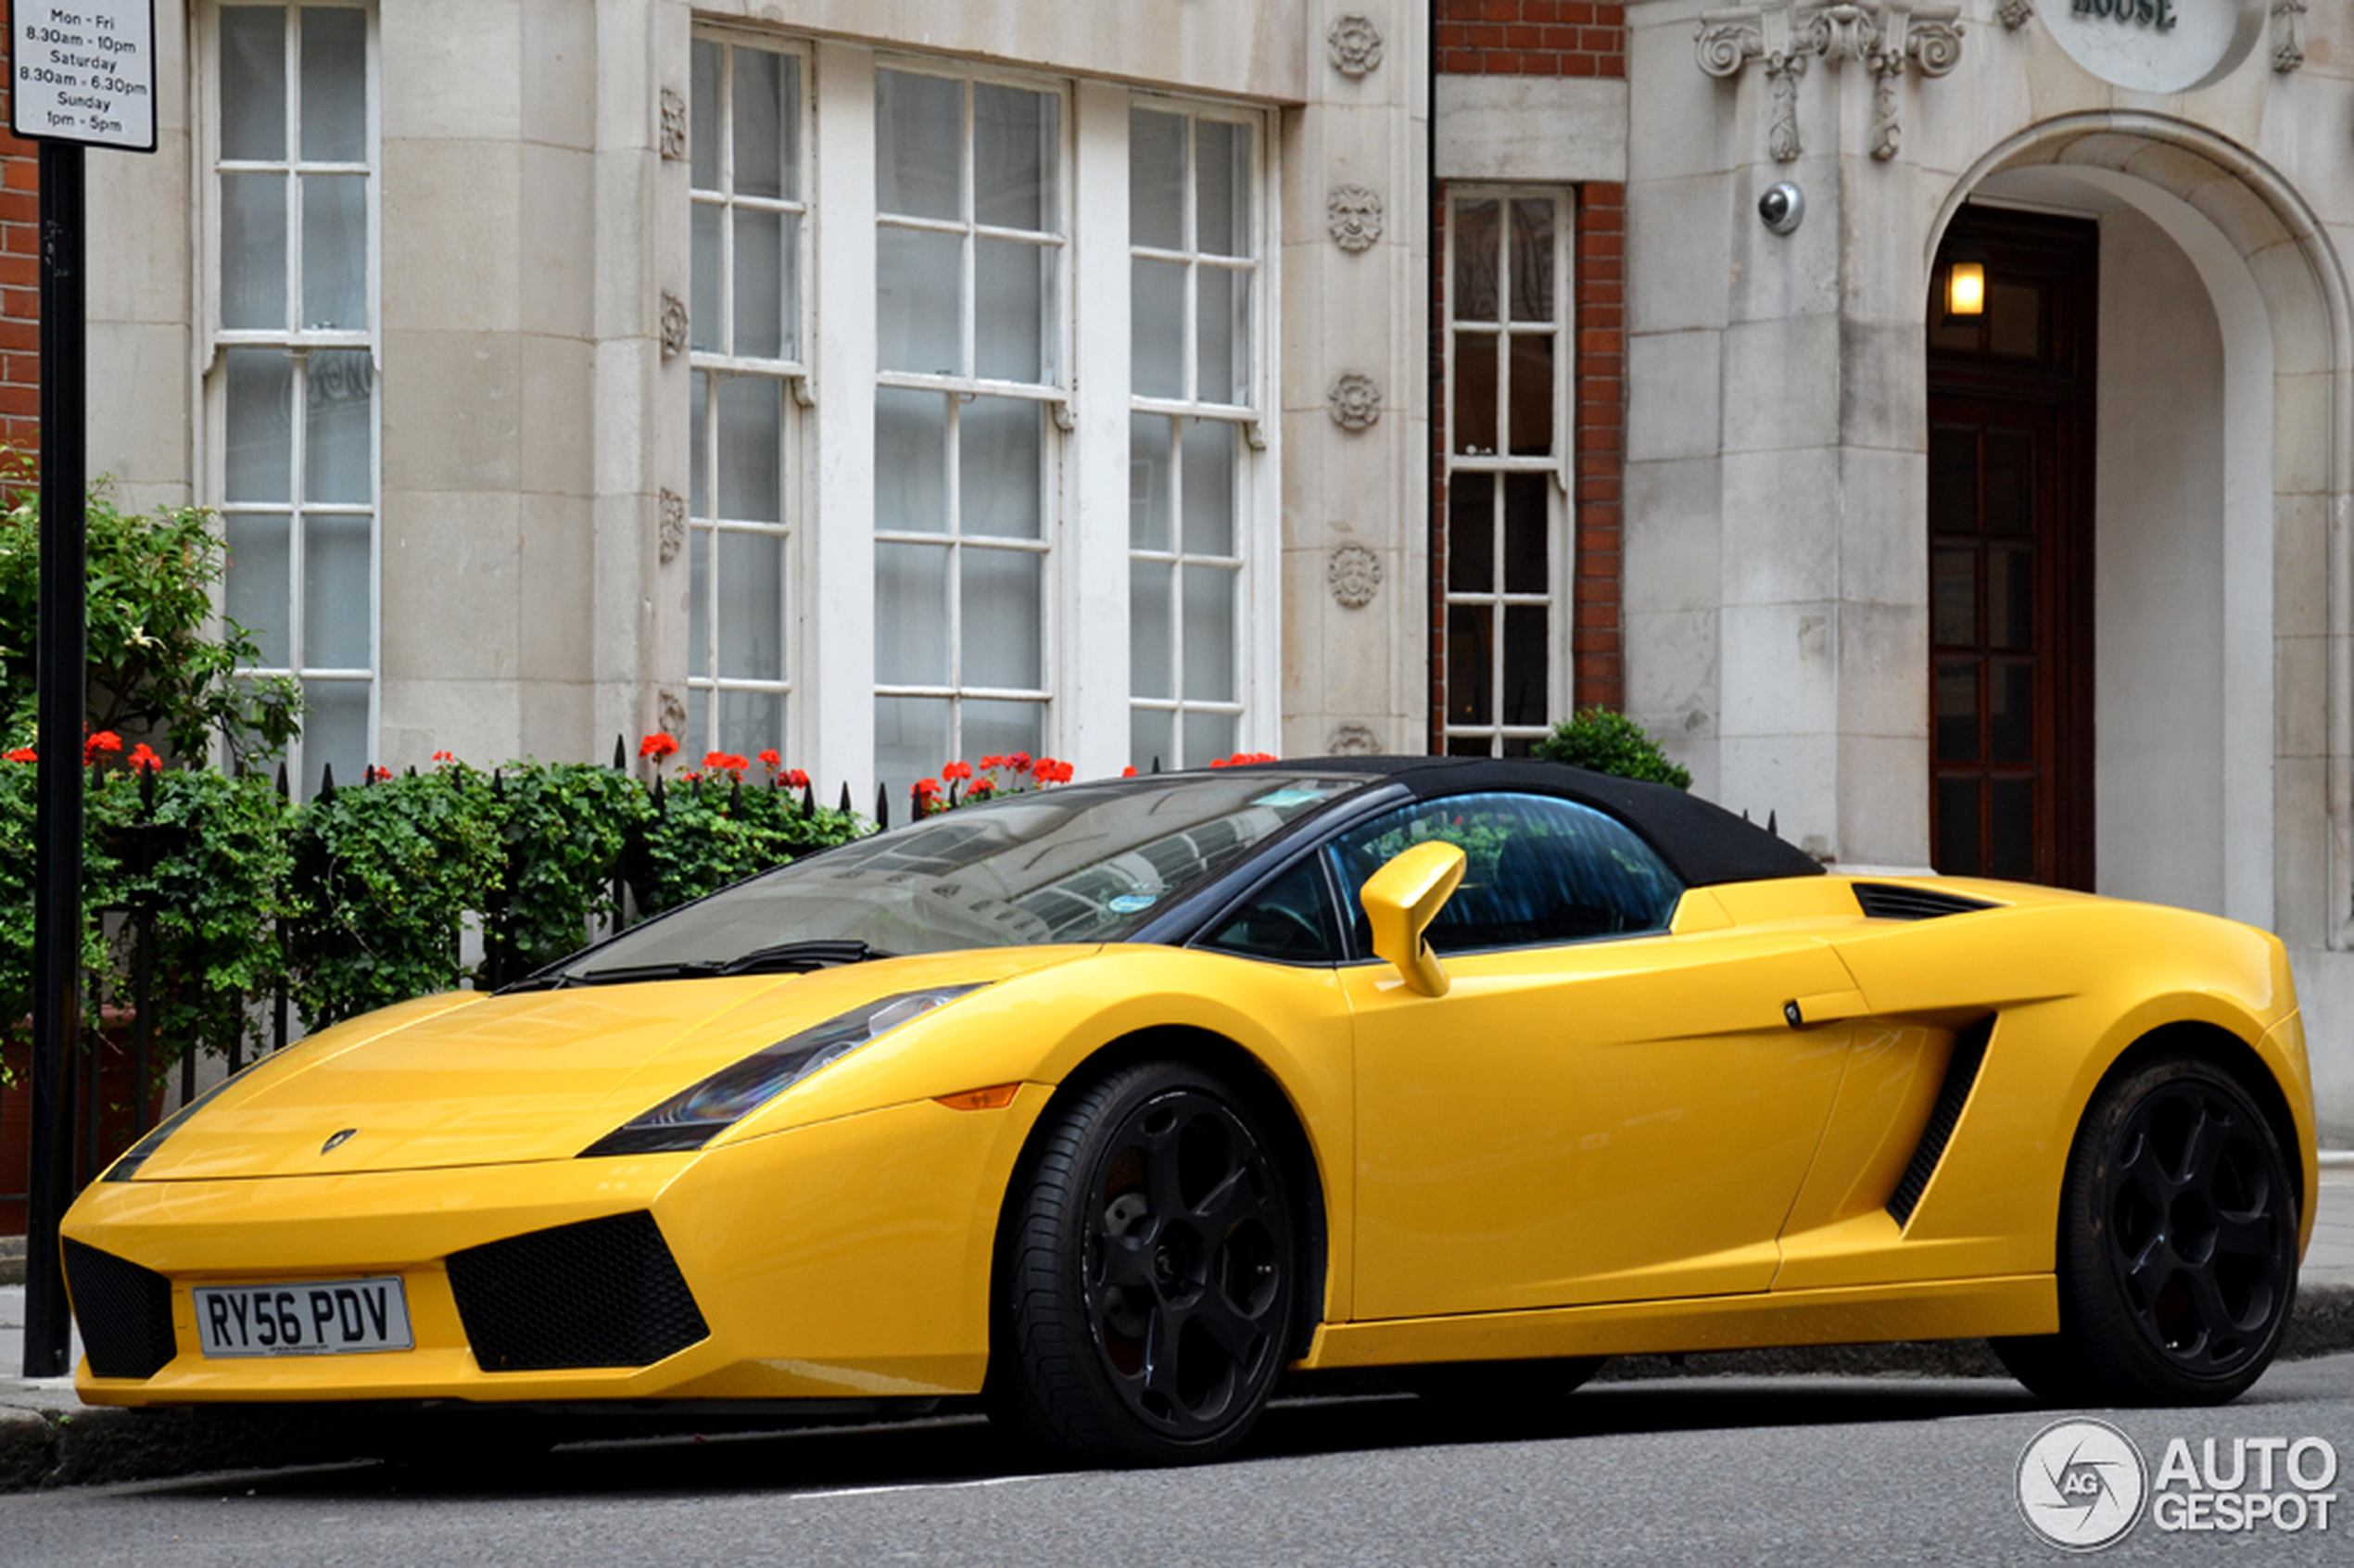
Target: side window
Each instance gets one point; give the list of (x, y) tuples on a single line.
[(1540, 871), (1290, 920)]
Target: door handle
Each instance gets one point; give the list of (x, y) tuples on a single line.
[(1828, 1006)]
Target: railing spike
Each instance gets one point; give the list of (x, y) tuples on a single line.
[(882, 805), (620, 755), (1156, 763), (1773, 825), (735, 798), (808, 801), (658, 793), (148, 789), (845, 807), (326, 781), (282, 780)]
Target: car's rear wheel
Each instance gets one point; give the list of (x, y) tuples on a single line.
[(2177, 1252), (1149, 1273)]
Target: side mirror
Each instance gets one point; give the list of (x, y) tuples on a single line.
[(1401, 899)]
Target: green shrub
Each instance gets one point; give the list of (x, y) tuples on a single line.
[(1602, 742)]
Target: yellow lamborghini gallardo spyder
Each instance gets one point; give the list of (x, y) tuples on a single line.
[(1107, 1104)]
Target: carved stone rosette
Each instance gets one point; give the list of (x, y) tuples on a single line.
[(674, 325), (672, 526), (674, 126), (1353, 740), (1355, 400), (2288, 43), (1353, 44), (2014, 14), (1888, 37), (1354, 575), (1353, 217), (670, 711)]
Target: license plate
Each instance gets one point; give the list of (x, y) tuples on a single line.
[(329, 1317)]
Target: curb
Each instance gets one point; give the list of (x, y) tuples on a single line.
[(88, 1447)]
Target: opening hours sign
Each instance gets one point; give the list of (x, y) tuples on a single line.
[(83, 71)]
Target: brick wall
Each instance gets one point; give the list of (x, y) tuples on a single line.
[(1530, 38), (19, 282), (1598, 385)]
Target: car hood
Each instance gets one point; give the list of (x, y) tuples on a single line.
[(470, 1079)]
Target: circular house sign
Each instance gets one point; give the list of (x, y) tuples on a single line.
[(2157, 45)]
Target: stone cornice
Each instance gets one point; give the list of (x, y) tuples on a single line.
[(1888, 38)]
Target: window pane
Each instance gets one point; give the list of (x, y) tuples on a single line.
[(1222, 211), (339, 420), (335, 85), (1221, 328), (1010, 322), (1157, 333), (919, 123), (1477, 243), (2010, 597), (1953, 598), (1526, 664), (1958, 714), (2010, 469), (256, 593), (335, 251), (2010, 713), (750, 722), (1470, 533), (759, 291), (698, 433), (752, 606), (918, 295), (260, 419), (334, 731), (337, 626), (702, 116), (1532, 415), (911, 742), (1150, 670), (1149, 732), (253, 83), (1471, 664), (760, 124), (1953, 480), (1528, 528), (911, 460), (1957, 840), (1209, 487), (699, 605), (1000, 468), (1150, 477), (1156, 179), (1207, 737), (911, 614), (2014, 829), (1474, 373), (2015, 321), (1014, 137), (751, 457), (998, 728), (705, 319), (1210, 634), (1532, 260), (789, 260), (1004, 633), (253, 251)]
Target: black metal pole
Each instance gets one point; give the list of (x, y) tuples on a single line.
[(59, 666)]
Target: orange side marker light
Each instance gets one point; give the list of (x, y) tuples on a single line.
[(996, 1097)]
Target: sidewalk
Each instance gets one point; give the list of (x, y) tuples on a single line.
[(112, 1444)]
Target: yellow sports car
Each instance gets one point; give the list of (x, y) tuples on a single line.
[(1110, 1102)]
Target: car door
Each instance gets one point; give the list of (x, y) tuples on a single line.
[(1597, 1109)]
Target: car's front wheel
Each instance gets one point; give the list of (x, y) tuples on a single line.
[(2177, 1253), (1149, 1272)]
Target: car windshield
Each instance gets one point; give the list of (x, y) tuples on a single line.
[(1083, 863)]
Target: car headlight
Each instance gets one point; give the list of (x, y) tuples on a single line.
[(695, 1115)]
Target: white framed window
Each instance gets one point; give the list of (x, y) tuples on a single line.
[(970, 414), (750, 215), (1508, 552), (1194, 411), (289, 255)]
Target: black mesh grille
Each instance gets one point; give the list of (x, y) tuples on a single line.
[(125, 1311), (1961, 1072), (1885, 901), (604, 1293)]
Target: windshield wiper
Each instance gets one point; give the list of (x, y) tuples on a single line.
[(784, 958)]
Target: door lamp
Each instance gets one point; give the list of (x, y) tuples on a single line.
[(1966, 283)]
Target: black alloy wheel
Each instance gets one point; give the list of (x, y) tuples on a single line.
[(1149, 1274), (2177, 1247)]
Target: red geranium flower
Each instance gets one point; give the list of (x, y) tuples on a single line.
[(24, 753), (143, 755), (798, 779), (1018, 762), (101, 744), (446, 756), (956, 771), (657, 746), (1129, 772)]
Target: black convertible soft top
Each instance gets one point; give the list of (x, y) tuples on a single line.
[(1701, 842)]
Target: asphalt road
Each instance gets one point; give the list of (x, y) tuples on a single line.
[(1718, 1471)]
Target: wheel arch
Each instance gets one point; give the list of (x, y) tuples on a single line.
[(2225, 1051), (1232, 1064)]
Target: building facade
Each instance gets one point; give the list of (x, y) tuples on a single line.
[(891, 382)]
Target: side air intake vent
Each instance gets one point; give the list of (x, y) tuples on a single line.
[(1886, 901), (125, 1312), (604, 1293), (1961, 1073)]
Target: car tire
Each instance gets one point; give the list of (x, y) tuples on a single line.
[(1150, 1269), (2177, 1247)]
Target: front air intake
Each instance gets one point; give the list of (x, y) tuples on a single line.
[(1887, 901), (604, 1293), (1961, 1075), (125, 1311)]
